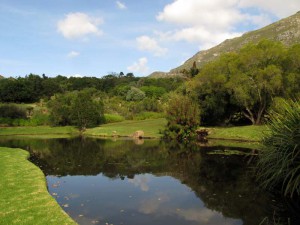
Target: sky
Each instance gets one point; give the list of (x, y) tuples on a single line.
[(98, 37)]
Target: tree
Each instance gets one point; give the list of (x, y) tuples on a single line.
[(82, 109), (12, 111), (135, 94), (60, 109), (194, 70), (86, 112), (210, 88), (257, 78), (292, 70), (153, 91), (183, 118)]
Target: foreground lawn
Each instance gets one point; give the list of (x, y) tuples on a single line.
[(24, 198), (245, 133), (39, 130), (150, 127)]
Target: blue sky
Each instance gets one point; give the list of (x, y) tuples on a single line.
[(97, 37)]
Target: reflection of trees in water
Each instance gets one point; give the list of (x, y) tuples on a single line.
[(223, 183)]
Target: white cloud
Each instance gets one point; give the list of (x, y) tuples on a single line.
[(209, 22), (204, 37), (217, 14), (279, 8), (73, 54), (141, 182), (121, 5), (146, 43), (78, 25), (204, 22), (140, 66)]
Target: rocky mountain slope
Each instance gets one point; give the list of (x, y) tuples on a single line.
[(286, 30)]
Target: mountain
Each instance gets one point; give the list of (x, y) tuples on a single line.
[(286, 30)]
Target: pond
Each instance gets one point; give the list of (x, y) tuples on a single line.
[(98, 181)]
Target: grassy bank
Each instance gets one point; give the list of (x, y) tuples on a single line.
[(150, 127), (39, 130), (24, 198), (243, 133)]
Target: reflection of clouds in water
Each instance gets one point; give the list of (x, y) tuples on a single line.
[(140, 182), (205, 216), (82, 219), (153, 205)]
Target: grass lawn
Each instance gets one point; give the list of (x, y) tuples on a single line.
[(24, 198), (150, 127), (39, 130), (246, 133)]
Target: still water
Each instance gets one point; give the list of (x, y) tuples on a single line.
[(99, 181)]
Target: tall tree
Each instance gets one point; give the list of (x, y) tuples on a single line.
[(86, 111), (257, 78)]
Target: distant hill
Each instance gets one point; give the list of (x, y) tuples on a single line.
[(286, 30)]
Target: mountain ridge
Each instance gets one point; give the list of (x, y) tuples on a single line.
[(286, 30)]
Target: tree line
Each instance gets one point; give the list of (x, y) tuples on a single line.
[(118, 96)]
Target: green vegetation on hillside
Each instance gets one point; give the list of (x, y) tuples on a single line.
[(24, 197), (52, 100), (240, 88), (285, 31)]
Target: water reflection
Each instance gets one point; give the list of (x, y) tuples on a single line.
[(119, 182)]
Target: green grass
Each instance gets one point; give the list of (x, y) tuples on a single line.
[(24, 198), (150, 127), (245, 133), (39, 130), (239, 144)]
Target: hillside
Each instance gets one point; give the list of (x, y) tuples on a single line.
[(286, 30)]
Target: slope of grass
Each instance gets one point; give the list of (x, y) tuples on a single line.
[(246, 133), (150, 127), (24, 198)]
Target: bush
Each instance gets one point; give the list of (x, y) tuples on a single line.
[(183, 118), (113, 118), (12, 111), (135, 94), (80, 109), (279, 163)]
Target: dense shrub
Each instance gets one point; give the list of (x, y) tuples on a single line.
[(183, 118), (135, 94), (12, 111), (279, 163), (82, 109)]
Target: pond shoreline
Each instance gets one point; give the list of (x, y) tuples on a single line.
[(126, 129)]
